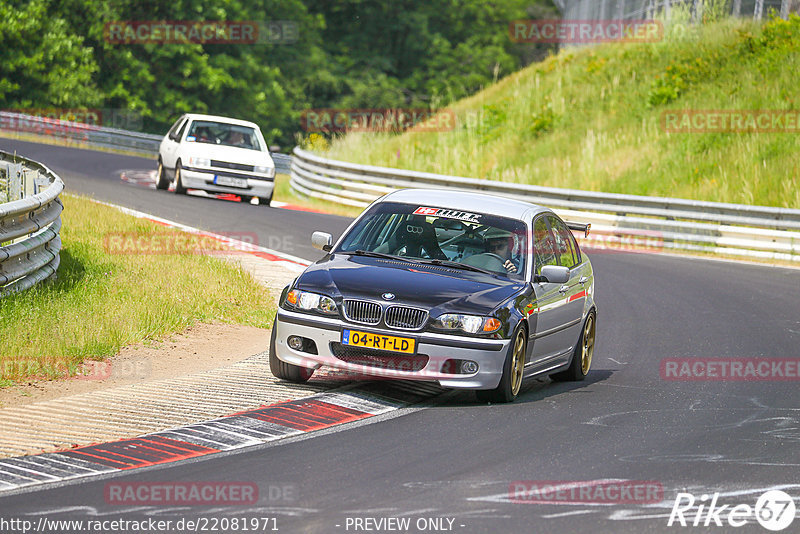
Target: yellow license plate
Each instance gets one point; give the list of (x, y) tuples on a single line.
[(354, 338)]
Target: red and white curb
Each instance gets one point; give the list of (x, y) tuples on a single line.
[(236, 431)]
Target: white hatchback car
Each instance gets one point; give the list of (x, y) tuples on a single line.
[(216, 154)]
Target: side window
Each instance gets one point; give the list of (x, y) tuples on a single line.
[(544, 249), (174, 130), (565, 246), (183, 129)]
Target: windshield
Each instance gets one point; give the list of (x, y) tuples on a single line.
[(491, 243), (221, 133)]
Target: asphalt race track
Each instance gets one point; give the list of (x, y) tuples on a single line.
[(454, 464)]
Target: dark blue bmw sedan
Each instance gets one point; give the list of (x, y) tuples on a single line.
[(464, 289)]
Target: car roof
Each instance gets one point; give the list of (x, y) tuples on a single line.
[(219, 118), (467, 201)]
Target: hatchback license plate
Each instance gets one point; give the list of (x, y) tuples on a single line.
[(230, 181), (355, 338)]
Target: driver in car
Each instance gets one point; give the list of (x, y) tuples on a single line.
[(236, 138), (501, 243)]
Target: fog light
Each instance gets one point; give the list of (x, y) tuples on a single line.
[(469, 367), (295, 342)]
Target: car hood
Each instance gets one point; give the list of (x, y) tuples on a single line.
[(434, 288), (231, 154)]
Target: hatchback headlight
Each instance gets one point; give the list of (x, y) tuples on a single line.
[(304, 300), (269, 171), (199, 162), (471, 324)]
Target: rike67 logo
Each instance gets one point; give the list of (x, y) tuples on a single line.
[(774, 510)]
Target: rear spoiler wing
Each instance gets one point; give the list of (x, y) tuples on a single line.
[(580, 227)]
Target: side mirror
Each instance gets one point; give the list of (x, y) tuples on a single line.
[(553, 274), (321, 241)]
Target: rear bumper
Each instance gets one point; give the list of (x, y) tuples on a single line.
[(194, 179), (489, 354)]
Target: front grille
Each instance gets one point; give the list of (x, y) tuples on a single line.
[(362, 311), (227, 165), (390, 362), (405, 318)]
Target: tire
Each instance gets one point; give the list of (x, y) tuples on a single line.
[(513, 368), (283, 370), (161, 178), (179, 189), (582, 355), (264, 201)]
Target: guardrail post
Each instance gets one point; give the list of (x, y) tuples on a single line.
[(759, 10), (785, 9), (737, 8)]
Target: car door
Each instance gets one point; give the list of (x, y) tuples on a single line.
[(546, 313), (170, 144), (568, 255)]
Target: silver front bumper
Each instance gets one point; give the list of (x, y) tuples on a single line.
[(489, 354), (193, 179)]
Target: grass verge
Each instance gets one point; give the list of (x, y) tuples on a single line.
[(591, 119), (107, 297)]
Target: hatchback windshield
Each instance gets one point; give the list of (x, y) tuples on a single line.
[(488, 242), (220, 133)]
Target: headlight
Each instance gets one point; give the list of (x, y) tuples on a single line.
[(269, 171), (471, 324), (303, 300), (199, 162)]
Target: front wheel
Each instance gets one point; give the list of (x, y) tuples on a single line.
[(161, 178), (514, 365), (582, 355), (264, 201), (283, 370), (179, 189)]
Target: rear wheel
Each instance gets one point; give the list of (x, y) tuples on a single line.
[(179, 189), (264, 201), (283, 370), (582, 355), (161, 178), (514, 365)]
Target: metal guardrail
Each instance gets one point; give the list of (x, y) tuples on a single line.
[(647, 9), (101, 136), (618, 221), (29, 227)]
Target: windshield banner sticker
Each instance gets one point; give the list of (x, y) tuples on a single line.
[(448, 214)]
